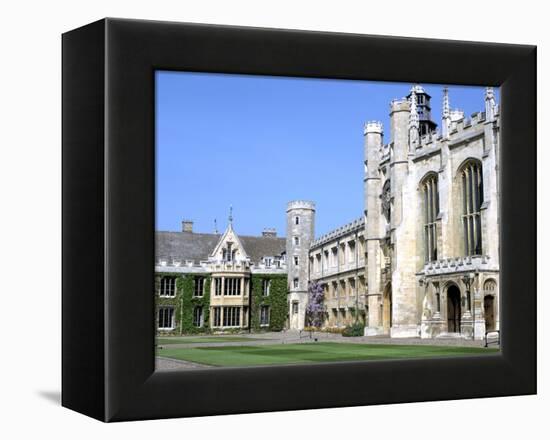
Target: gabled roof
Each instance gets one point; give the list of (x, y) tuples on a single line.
[(227, 236), (258, 247), (185, 245), (198, 246)]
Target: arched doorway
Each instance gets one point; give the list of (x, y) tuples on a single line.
[(453, 309), (387, 309), (489, 304)]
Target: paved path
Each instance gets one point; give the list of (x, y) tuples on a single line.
[(294, 337), (166, 364)]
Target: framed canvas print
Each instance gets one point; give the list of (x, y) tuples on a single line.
[(261, 219)]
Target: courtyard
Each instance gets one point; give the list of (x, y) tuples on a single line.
[(293, 347)]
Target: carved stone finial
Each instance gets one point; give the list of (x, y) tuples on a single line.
[(446, 106), (446, 115), (490, 104), (231, 214), (414, 121)]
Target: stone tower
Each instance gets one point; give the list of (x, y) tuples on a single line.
[(300, 232), (391, 222), (373, 133), (423, 109), (402, 305)]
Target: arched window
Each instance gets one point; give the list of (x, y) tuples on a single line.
[(472, 198), (489, 287), (430, 195), (386, 201)]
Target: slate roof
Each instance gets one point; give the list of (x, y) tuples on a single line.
[(198, 246)]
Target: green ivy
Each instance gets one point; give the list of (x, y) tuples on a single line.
[(184, 302), (276, 300)]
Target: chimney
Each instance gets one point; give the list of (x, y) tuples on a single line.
[(269, 232), (187, 226)]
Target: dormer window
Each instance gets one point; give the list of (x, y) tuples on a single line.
[(228, 254), (267, 262)]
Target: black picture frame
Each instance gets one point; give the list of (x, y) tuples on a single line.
[(109, 204)]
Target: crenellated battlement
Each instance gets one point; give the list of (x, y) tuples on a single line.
[(460, 127), (400, 105), (357, 224), (373, 127), (300, 204)]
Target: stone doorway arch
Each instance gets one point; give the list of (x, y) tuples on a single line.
[(489, 304), (454, 311)]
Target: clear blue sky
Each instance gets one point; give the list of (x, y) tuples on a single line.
[(256, 142)]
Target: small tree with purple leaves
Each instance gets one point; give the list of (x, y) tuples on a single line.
[(315, 309)]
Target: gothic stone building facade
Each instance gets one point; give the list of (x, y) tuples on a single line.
[(422, 261)]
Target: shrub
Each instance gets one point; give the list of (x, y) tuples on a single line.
[(354, 330)]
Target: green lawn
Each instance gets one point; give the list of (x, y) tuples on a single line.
[(232, 356), (201, 339)]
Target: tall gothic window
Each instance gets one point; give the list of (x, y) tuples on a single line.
[(472, 198), (386, 200), (431, 210)]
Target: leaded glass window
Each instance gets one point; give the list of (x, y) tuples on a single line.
[(472, 199)]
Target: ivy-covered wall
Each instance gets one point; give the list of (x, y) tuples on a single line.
[(184, 302), (276, 300)]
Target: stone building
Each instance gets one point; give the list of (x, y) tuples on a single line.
[(337, 262), (212, 281), (432, 221), (422, 260)]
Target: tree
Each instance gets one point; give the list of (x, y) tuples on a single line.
[(315, 309)]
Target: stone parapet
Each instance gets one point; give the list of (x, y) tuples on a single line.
[(458, 264)]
